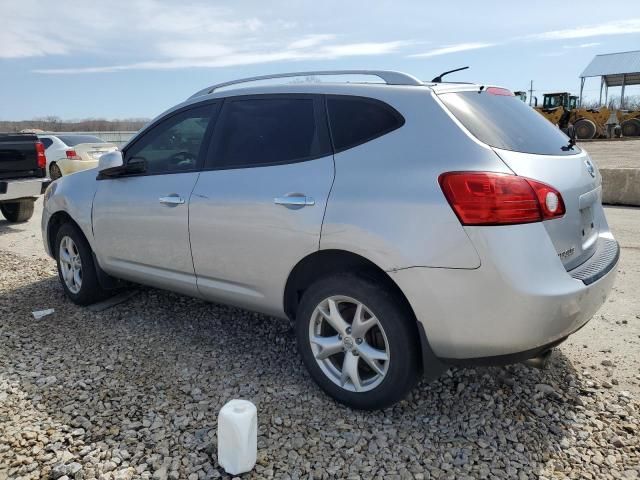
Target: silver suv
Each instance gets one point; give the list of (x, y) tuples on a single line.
[(403, 226)]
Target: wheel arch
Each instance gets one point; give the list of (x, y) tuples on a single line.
[(55, 222), (323, 263)]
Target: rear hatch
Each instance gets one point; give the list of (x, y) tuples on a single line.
[(18, 157), (534, 148)]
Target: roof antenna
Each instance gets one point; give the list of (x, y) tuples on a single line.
[(438, 79)]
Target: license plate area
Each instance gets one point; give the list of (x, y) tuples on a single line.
[(588, 224), (589, 227)]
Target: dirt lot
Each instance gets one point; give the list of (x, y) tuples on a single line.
[(133, 392), (614, 153)]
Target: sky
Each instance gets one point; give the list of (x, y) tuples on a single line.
[(136, 58)]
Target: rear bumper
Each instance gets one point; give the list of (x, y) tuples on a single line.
[(71, 166), (22, 188), (519, 301)]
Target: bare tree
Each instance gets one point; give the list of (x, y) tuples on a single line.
[(52, 123)]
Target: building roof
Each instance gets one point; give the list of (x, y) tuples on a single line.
[(612, 66)]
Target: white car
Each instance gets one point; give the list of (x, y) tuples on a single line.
[(71, 153)]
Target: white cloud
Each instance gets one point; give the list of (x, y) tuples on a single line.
[(355, 49), (122, 35), (460, 47), (235, 58), (159, 34), (311, 41), (31, 45), (609, 28), (583, 45), (556, 53)]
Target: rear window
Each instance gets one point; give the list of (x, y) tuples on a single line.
[(71, 140), (506, 122), (356, 120), (47, 142)]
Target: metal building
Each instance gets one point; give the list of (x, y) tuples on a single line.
[(615, 70)]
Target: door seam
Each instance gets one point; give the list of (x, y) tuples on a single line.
[(193, 264)]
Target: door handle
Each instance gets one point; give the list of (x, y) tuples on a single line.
[(294, 201), (172, 199)]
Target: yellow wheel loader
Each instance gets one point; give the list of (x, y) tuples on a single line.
[(560, 108), (630, 123)]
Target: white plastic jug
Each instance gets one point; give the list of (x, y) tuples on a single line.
[(237, 436)]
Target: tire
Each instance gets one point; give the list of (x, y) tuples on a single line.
[(585, 129), (394, 336), (631, 127), (54, 171), (87, 290), (19, 211)]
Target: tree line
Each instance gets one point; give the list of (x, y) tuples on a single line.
[(56, 124), (631, 102)]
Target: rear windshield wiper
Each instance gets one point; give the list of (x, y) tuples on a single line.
[(571, 133)]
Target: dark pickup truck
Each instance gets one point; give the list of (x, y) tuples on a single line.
[(23, 175)]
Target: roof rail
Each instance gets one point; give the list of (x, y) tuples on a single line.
[(390, 77)]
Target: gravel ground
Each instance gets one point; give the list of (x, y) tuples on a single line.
[(133, 392)]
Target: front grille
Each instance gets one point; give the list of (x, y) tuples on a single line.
[(601, 262)]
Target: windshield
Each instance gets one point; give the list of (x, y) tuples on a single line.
[(71, 140), (504, 121)]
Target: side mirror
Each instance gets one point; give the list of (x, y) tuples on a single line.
[(136, 165), (110, 160)]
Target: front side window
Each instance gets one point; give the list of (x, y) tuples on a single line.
[(173, 145), (269, 131), (356, 120)]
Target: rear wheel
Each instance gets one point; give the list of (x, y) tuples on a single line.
[(358, 341), (631, 128), (585, 129), (76, 269), (54, 171), (19, 211)]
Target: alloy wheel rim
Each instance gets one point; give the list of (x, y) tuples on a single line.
[(70, 264), (349, 344)]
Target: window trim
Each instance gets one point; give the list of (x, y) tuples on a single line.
[(319, 112), (215, 106), (375, 101)]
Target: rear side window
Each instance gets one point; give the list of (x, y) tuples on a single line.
[(47, 142), (356, 120), (506, 122), (269, 131)]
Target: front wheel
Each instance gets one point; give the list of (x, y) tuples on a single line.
[(358, 341), (19, 211), (76, 269)]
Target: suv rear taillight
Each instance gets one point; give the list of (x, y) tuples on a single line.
[(487, 198), (40, 156), (73, 155)]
